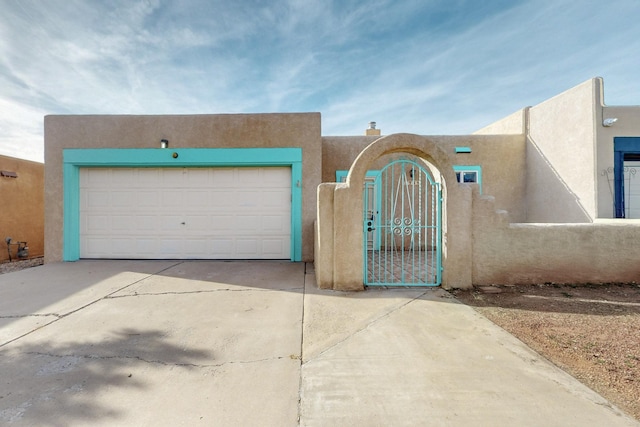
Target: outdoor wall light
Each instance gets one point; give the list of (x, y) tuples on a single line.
[(609, 122), (164, 143)]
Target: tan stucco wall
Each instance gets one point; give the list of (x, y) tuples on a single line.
[(339, 152), (502, 158), (569, 152), (22, 214), (597, 252), (561, 157), (188, 131), (513, 124), (527, 253)]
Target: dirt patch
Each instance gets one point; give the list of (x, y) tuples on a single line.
[(590, 331)]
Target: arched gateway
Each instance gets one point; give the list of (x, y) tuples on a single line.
[(402, 232), (408, 207)]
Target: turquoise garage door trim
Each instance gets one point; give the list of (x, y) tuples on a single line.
[(76, 159)]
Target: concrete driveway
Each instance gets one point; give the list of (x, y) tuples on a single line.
[(257, 344)]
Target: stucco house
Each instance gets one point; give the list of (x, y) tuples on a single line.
[(540, 196), (22, 212)]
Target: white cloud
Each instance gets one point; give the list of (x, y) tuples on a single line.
[(21, 131), (413, 66)]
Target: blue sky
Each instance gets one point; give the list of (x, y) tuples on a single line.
[(422, 66)]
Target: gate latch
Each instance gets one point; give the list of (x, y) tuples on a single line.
[(370, 226)]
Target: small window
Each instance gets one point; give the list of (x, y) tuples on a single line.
[(469, 175)]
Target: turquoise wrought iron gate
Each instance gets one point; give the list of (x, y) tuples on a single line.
[(402, 227)]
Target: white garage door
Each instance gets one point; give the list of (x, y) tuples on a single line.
[(185, 213)]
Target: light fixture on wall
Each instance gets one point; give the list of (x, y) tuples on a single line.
[(609, 122), (164, 143)]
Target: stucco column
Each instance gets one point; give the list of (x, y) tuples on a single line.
[(347, 235), (324, 244), (457, 251)]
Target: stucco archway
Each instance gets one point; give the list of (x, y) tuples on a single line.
[(340, 206)]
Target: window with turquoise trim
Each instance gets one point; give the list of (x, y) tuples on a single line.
[(468, 174)]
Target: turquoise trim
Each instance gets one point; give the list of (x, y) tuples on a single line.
[(340, 174), (621, 145), (187, 157), (476, 169), (71, 214), (74, 159), (343, 174), (463, 149)]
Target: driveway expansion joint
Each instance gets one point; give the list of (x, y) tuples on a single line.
[(208, 291), (365, 327), (161, 362), (21, 316)]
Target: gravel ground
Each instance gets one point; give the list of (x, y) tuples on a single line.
[(590, 331), (8, 267)]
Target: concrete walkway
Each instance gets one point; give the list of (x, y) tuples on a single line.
[(155, 343)]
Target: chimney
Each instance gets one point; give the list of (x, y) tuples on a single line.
[(372, 129)]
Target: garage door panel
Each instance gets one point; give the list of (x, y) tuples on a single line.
[(222, 248), (146, 223), (247, 224), (123, 223), (123, 247), (99, 178), (170, 225), (247, 247), (274, 224), (222, 177), (198, 213), (173, 178), (95, 246), (195, 200), (149, 178), (273, 246), (95, 199), (250, 178), (98, 224), (197, 224), (123, 178), (246, 200), (221, 199), (275, 178), (123, 199), (198, 178), (275, 199), (222, 224), (147, 199), (171, 200), (146, 248), (120, 247), (170, 246), (195, 247)]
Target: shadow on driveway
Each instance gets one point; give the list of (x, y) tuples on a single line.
[(71, 383)]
